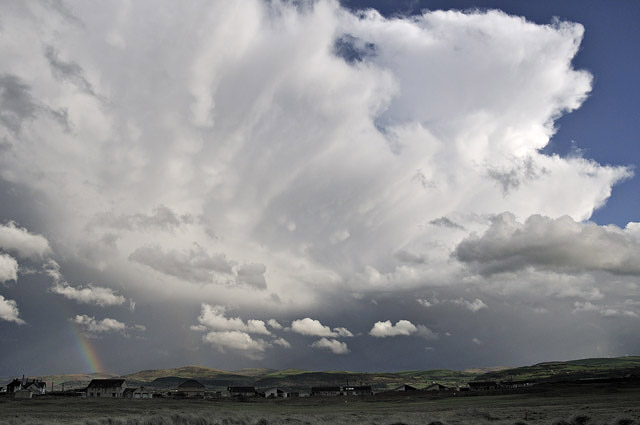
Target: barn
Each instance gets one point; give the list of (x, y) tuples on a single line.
[(191, 388), (101, 388)]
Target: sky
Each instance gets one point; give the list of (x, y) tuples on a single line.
[(357, 185)]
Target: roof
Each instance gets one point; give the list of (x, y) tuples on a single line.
[(105, 383), (405, 387), (357, 388), (190, 383)]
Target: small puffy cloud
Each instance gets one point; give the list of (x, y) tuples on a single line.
[(22, 242), (9, 311), (89, 294), (334, 345), (312, 327), (8, 268), (274, 324), (476, 341), (91, 325), (561, 245), (385, 329), (237, 340), (473, 306), (281, 342), (213, 318)]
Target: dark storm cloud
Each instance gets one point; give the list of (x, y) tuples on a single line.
[(18, 106), (16, 102), (68, 71), (352, 49), (194, 264), (511, 178), (560, 245), (446, 222)]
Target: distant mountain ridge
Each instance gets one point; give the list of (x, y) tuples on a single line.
[(297, 378)]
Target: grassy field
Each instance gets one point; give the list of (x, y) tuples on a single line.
[(561, 406)]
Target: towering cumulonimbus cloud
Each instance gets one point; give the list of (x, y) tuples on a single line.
[(286, 160)]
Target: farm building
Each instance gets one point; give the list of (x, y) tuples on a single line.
[(325, 391), (405, 387), (100, 388), (242, 391), (14, 386), (357, 390), (275, 393), (137, 392), (191, 388), (483, 385), (35, 386), (436, 387)]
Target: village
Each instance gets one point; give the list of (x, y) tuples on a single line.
[(192, 389)]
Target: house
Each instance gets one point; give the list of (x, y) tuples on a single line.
[(483, 385), (405, 387), (191, 388), (137, 392), (242, 391), (275, 393), (14, 386), (435, 387), (325, 391), (357, 390), (36, 386), (101, 388)]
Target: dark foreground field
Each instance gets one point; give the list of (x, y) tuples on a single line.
[(603, 405)]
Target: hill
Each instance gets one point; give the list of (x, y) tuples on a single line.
[(568, 370)]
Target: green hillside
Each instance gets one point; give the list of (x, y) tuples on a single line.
[(569, 370), (303, 379)]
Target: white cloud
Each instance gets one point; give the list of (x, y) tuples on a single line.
[(21, 241), (213, 317), (274, 324), (259, 155), (476, 341), (282, 342), (237, 340), (312, 327), (9, 311), (8, 268), (91, 325), (386, 329), (89, 294), (349, 156), (473, 306), (334, 345)]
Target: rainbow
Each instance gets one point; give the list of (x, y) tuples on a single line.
[(87, 351)]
